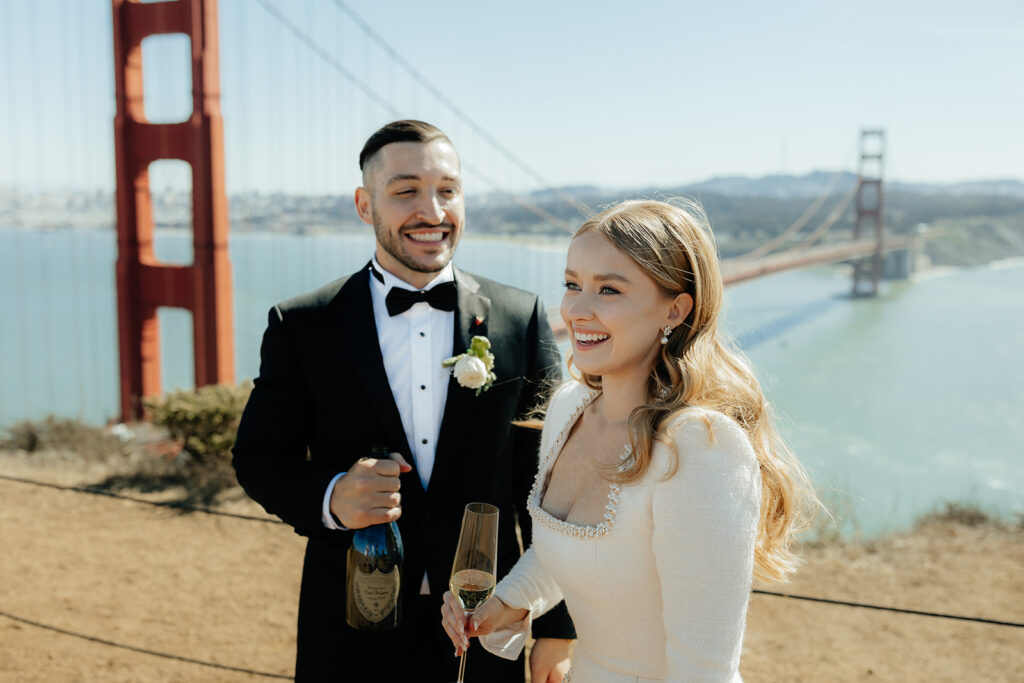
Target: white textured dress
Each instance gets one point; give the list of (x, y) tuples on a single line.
[(658, 591)]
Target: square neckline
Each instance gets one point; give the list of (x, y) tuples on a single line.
[(547, 465)]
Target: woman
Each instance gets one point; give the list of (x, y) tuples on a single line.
[(662, 486)]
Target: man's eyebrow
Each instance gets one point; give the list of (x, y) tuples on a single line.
[(402, 176), (412, 176), (603, 277)]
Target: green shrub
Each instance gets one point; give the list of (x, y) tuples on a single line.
[(61, 434), (204, 422), (964, 514)]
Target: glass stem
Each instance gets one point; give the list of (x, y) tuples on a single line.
[(462, 665), (462, 659)]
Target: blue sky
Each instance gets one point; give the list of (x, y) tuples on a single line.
[(609, 93)]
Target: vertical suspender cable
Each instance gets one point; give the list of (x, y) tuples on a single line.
[(77, 290), (11, 145), (45, 307), (243, 243)]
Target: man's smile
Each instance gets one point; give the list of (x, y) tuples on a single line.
[(427, 236)]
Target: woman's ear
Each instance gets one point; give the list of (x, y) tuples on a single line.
[(681, 307)]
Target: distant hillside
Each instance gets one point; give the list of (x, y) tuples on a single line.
[(777, 186), (970, 222), (791, 186)]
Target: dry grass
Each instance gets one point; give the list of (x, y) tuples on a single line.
[(225, 590)]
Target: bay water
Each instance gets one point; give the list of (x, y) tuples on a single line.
[(895, 404)]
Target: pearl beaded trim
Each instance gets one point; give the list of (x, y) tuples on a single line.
[(539, 514)]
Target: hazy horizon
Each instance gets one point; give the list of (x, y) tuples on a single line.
[(580, 186)]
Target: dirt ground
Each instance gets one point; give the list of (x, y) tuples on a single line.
[(108, 583)]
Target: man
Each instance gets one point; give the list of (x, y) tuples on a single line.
[(357, 365)]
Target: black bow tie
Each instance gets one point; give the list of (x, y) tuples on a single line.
[(442, 297)]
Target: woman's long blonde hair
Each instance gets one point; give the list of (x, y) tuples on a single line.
[(673, 244)]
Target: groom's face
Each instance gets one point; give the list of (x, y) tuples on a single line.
[(412, 195)]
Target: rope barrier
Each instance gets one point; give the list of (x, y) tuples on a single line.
[(155, 503), (142, 650), (791, 596), (899, 610)]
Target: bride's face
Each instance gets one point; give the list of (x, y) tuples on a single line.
[(614, 312)]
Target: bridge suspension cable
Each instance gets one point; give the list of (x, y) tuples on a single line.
[(440, 96), (798, 224), (825, 226), (326, 56), (304, 37), (532, 208)]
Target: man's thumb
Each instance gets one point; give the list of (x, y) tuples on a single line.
[(402, 464)]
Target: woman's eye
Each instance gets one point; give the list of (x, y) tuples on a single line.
[(608, 290), (571, 286)]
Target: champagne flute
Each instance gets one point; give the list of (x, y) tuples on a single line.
[(475, 566)]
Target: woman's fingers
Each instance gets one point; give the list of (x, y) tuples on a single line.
[(482, 621), (454, 621), (460, 627)]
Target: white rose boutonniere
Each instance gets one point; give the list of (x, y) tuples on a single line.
[(473, 369)]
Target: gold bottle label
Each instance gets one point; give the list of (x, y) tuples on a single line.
[(376, 593)]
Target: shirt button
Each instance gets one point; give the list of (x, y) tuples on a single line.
[(423, 334), (424, 442), (423, 387)]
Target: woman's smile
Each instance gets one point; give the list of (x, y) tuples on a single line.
[(586, 339)]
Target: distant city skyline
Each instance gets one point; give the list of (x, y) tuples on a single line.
[(594, 93)]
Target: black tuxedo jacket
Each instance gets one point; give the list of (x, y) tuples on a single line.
[(322, 401)]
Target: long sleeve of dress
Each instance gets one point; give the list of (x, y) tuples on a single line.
[(705, 525), (528, 586)]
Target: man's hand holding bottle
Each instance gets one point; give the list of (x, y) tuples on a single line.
[(368, 493)]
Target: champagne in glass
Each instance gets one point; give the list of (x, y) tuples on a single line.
[(472, 587), (475, 566)]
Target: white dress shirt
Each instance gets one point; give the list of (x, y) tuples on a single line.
[(413, 344)]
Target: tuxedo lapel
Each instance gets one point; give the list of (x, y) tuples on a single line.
[(354, 322), (471, 313)]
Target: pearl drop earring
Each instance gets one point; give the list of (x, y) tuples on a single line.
[(665, 332)]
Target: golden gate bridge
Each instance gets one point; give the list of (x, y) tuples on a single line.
[(146, 282)]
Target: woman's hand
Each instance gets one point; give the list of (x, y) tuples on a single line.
[(490, 616)]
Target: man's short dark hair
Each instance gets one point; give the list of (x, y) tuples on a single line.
[(408, 130)]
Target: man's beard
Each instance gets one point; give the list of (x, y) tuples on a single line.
[(392, 244)]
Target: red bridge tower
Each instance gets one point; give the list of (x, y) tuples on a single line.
[(868, 272), (143, 282)]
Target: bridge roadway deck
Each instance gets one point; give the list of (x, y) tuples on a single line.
[(740, 270)]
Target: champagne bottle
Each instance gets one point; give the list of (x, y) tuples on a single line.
[(374, 576)]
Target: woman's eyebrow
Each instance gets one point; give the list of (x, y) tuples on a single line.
[(603, 277)]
